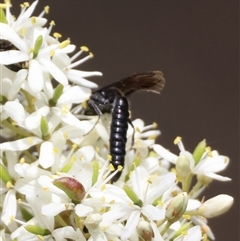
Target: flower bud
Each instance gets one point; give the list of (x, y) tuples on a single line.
[(4, 174), (216, 206), (56, 95), (95, 167), (133, 196), (74, 189), (3, 18), (145, 230), (44, 128), (37, 230), (177, 207), (37, 46), (199, 150), (183, 166)]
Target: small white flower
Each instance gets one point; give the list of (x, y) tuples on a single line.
[(193, 233), (56, 159)]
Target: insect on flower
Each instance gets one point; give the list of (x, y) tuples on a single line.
[(112, 99), (5, 45)]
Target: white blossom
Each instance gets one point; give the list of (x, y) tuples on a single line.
[(55, 170)]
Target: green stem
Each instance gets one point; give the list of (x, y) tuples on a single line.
[(15, 129), (196, 187), (60, 221), (159, 223), (29, 156), (165, 229), (186, 183)]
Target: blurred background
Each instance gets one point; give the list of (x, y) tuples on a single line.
[(196, 45)]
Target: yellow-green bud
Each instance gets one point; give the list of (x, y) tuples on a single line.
[(136, 163), (37, 46), (183, 166), (177, 207), (4, 174), (133, 196), (2, 16), (199, 150), (95, 167), (37, 230), (56, 95), (44, 128)]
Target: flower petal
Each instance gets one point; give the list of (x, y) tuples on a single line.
[(12, 57), (54, 71), (33, 120), (21, 144), (153, 213), (16, 111), (17, 83), (9, 207), (75, 94), (35, 76), (47, 156)]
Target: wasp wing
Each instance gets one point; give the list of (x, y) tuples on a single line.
[(148, 81)]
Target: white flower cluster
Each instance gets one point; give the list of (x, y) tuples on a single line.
[(54, 168)]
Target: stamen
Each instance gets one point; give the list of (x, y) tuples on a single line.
[(3, 5), (178, 141), (33, 20), (64, 44), (55, 150), (57, 35), (9, 185), (209, 151), (52, 23), (23, 31), (45, 10), (22, 160), (30, 141), (82, 49), (26, 4)]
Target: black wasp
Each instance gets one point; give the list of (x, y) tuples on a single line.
[(112, 99), (5, 45)]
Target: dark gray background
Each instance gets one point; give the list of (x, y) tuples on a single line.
[(195, 44)]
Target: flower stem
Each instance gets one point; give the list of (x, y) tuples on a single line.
[(168, 224), (60, 221), (196, 187), (29, 155), (15, 129)]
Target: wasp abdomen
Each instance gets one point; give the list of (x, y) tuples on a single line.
[(118, 136)]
